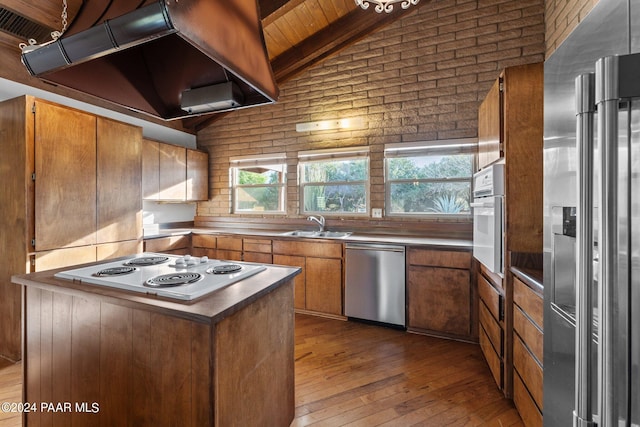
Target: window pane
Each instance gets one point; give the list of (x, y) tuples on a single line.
[(336, 171), (335, 198), (258, 199), (260, 175), (426, 167), (430, 198)]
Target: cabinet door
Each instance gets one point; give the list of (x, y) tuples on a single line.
[(65, 168), (119, 175), (66, 257), (173, 172), (440, 300), (197, 175), (299, 281), (118, 249), (150, 169), (324, 285), (490, 127)]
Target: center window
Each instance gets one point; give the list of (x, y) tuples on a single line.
[(335, 181), (430, 178)]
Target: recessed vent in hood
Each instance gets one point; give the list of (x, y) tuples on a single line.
[(166, 58)]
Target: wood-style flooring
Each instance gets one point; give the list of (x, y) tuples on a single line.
[(352, 374)]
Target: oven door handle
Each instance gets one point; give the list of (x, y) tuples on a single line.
[(482, 204)]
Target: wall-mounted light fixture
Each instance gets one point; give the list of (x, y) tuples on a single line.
[(338, 124), (385, 5)]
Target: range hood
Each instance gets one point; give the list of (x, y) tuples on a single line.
[(171, 59)]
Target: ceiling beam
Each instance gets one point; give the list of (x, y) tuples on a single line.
[(347, 30)]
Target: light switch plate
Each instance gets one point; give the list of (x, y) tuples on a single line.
[(376, 213)]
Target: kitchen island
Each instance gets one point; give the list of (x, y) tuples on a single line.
[(103, 356)]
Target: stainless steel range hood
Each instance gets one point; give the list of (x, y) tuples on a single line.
[(153, 59)]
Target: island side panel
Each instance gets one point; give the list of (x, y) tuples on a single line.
[(254, 363), (141, 368)]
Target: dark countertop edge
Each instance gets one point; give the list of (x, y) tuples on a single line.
[(209, 309), (406, 240), (531, 278)]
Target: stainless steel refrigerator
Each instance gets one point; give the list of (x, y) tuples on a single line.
[(592, 222)]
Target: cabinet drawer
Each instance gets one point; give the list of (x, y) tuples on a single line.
[(528, 369), (436, 258), (492, 329), (490, 296), (163, 244), (257, 245), (529, 412), (229, 243), (529, 301), (320, 249), (529, 333), (258, 257), (204, 241), (493, 360)]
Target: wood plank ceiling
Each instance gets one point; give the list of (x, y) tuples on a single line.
[(298, 33)]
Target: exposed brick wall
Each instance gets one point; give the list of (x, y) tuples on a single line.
[(561, 18), (421, 78)]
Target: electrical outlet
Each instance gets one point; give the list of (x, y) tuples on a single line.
[(376, 213)]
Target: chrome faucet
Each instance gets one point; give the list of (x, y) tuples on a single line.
[(319, 220)]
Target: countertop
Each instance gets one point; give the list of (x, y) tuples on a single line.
[(530, 277), (407, 240), (208, 309)]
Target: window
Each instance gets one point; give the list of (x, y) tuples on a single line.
[(429, 178), (334, 181), (258, 184)]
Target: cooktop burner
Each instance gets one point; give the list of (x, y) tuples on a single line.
[(115, 271), (173, 279), (225, 269), (147, 260)]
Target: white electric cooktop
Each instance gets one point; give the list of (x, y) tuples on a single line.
[(173, 276)]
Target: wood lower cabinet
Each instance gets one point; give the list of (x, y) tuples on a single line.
[(70, 184), (178, 245), (257, 250), (440, 295), (491, 324), (319, 288), (203, 245), (527, 353), (229, 248)]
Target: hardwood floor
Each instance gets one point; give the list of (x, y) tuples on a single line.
[(351, 374)]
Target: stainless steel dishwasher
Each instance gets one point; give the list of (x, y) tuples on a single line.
[(375, 283)]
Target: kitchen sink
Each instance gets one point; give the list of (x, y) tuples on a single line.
[(318, 234)]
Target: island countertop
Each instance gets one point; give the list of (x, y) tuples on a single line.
[(226, 358), (208, 309)]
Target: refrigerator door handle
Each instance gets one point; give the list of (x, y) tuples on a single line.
[(585, 111)]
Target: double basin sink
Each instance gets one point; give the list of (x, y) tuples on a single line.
[(318, 234)]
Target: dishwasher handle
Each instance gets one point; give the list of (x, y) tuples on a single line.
[(374, 247)]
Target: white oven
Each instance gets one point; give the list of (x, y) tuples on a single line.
[(488, 217)]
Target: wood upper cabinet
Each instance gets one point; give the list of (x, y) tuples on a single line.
[(174, 173), (65, 173), (150, 169), (119, 175), (490, 126), (510, 125), (197, 175), (441, 299)]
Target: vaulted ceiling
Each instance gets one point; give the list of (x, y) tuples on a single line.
[(298, 33)]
